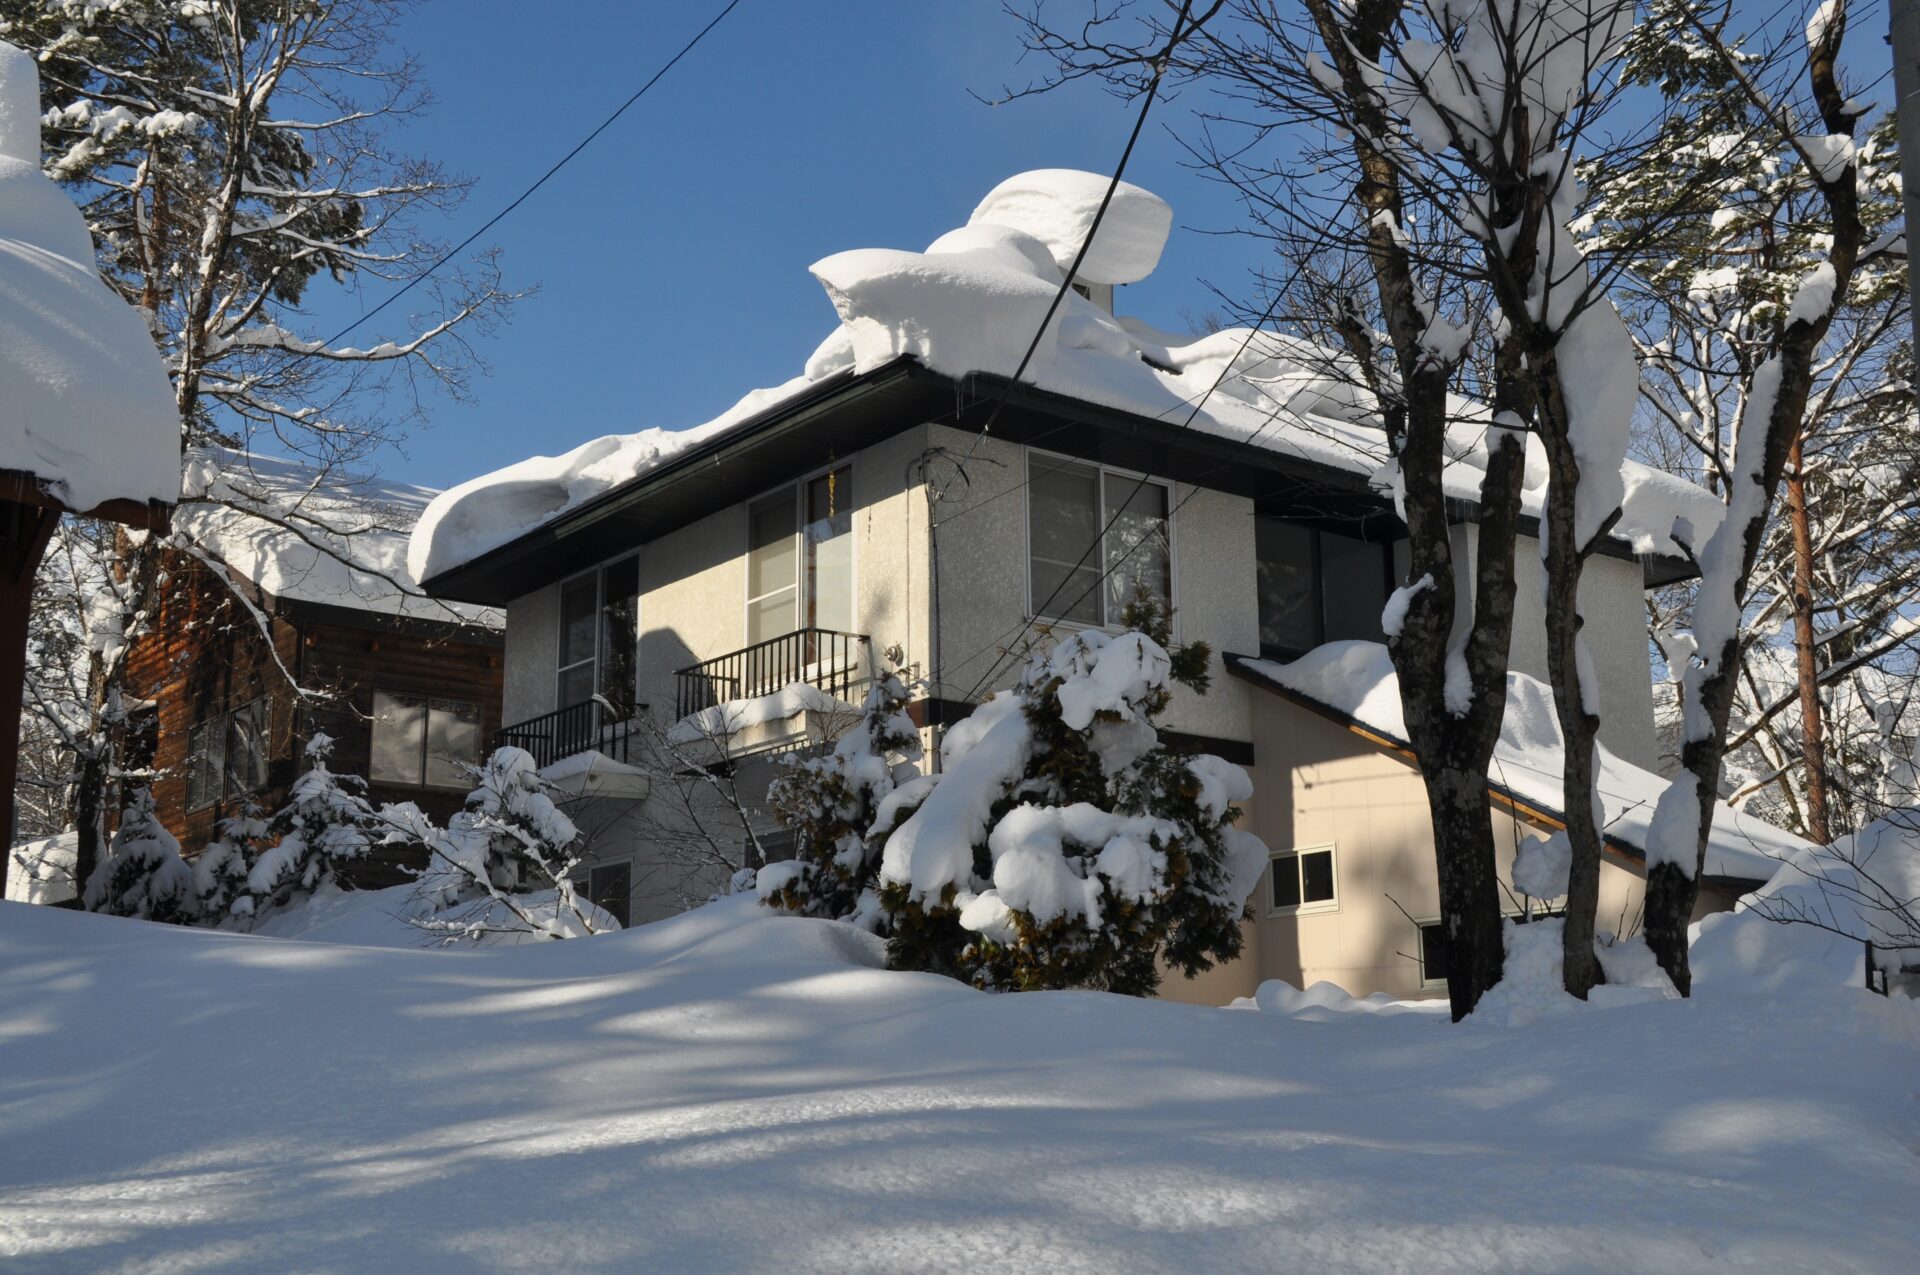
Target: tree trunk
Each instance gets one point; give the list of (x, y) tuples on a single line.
[(24, 532), (1469, 884), (1579, 728), (1813, 744)]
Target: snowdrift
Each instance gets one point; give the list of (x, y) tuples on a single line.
[(733, 1090)]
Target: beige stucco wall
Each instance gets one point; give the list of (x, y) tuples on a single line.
[(1318, 784), (983, 582)]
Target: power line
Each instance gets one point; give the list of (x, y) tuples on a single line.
[(495, 220), (1140, 122), (1140, 485)]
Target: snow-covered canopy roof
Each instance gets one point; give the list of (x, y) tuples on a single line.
[(971, 302), (88, 409), (308, 534), (1356, 681)]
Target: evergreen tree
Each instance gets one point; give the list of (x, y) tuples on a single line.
[(1064, 844), (834, 805), (509, 843), (142, 874), (326, 822), (220, 873)]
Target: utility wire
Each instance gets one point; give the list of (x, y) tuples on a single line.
[(1181, 30), (1099, 538), (495, 220)]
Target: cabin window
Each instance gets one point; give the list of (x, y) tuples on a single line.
[(423, 742), (227, 755), (1095, 538), (1303, 880), (800, 558), (609, 887), (1317, 586), (599, 649)]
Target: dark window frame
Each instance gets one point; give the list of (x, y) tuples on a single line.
[(210, 778), (430, 704), (1295, 861), (1099, 557), (803, 543), (586, 885), (1316, 565), (606, 610)]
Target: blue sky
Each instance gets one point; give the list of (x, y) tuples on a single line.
[(671, 256)]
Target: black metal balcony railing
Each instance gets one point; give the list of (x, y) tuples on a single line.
[(577, 728), (833, 662)]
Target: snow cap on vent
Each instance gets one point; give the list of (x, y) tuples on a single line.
[(1057, 206)]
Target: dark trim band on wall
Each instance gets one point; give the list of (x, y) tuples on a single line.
[(945, 712)]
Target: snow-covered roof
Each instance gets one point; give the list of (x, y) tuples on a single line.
[(1356, 680), (971, 302), (88, 407), (307, 534)]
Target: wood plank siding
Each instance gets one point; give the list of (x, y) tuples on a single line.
[(206, 655)]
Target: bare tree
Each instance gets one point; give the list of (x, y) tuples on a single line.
[(1818, 131), (228, 154)]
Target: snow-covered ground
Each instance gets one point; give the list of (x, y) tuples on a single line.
[(737, 1091)]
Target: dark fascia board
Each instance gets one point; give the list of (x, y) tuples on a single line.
[(753, 456), (866, 408), (381, 622), (1239, 666), (1168, 448)]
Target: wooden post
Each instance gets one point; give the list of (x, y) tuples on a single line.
[(24, 532)]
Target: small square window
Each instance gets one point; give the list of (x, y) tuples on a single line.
[(1303, 880)]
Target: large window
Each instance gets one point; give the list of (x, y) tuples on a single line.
[(1316, 586), (1094, 539), (1303, 880), (227, 755), (608, 886), (800, 557), (600, 635), (424, 742)]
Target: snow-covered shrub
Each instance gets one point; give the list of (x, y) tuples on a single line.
[(220, 872), (832, 804), (326, 822), (505, 861), (1063, 844), (142, 874)]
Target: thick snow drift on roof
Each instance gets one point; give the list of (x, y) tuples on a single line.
[(972, 301), (318, 535), (1357, 679), (489, 511), (87, 404), (1057, 206)]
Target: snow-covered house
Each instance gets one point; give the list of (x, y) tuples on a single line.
[(298, 577), (905, 496)]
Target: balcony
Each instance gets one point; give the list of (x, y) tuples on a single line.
[(786, 692), (585, 750), (833, 663)]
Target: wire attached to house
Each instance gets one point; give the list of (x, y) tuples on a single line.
[(1099, 538), (523, 196), (1181, 30)]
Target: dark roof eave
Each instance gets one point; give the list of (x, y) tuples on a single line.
[(1029, 414)]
